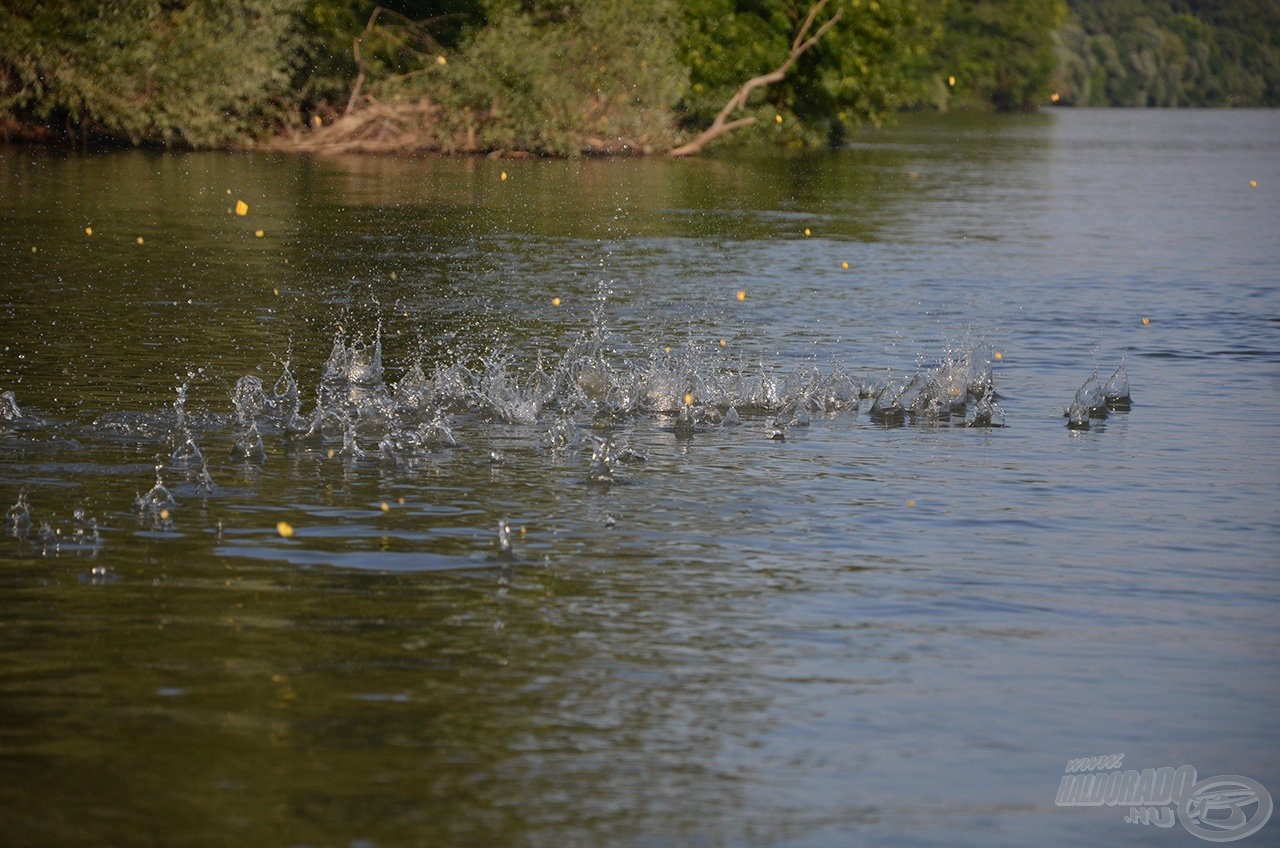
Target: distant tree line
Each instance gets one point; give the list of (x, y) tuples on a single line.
[(564, 77), (1169, 53)]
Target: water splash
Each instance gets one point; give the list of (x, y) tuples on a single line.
[(52, 537), (18, 518), (157, 500), (985, 412), (180, 407), (406, 445), (562, 434), (278, 409), (9, 410), (85, 528), (1115, 393), (1095, 400), (248, 446), (940, 393), (502, 396), (412, 393), (249, 399), (189, 456), (352, 393), (595, 378), (886, 408), (356, 362), (188, 453), (604, 460), (284, 404), (686, 422), (576, 402), (1087, 404), (79, 537), (506, 553)]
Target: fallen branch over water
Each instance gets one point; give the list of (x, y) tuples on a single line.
[(373, 127), (722, 124)]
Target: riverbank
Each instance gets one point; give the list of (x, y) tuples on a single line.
[(542, 79)]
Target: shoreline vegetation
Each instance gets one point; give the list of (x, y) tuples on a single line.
[(598, 77)]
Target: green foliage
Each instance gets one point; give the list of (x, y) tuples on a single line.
[(994, 53), (326, 64), (557, 78), (861, 69), (724, 44), (147, 71), (561, 77), (1170, 53), (868, 67), (404, 37)]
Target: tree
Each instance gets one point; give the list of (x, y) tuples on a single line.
[(862, 68), (806, 37), (998, 53), (539, 76), (1171, 53), (565, 78), (146, 71)]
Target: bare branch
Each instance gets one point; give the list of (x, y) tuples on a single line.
[(419, 38), (799, 45), (355, 51)]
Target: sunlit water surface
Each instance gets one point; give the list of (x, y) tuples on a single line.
[(651, 503)]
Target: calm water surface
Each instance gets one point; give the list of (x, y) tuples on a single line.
[(233, 614)]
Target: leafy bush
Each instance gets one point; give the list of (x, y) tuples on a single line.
[(994, 54), (146, 71), (862, 69), (561, 77), (556, 79)]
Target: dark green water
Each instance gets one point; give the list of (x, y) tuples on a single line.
[(862, 633)]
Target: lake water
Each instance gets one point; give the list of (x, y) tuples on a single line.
[(280, 610)]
